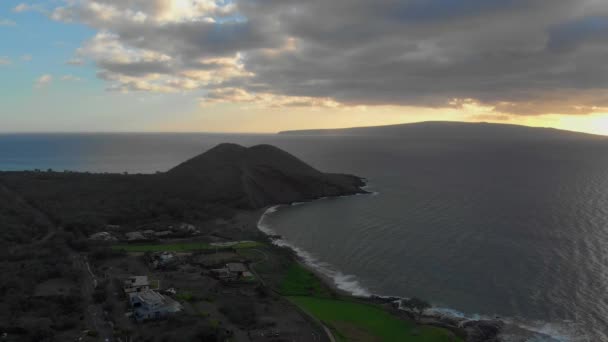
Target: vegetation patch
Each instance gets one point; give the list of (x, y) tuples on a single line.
[(370, 322), (186, 296), (183, 247), (299, 281)]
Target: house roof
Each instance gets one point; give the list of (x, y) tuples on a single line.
[(236, 267), (137, 281), (152, 298)]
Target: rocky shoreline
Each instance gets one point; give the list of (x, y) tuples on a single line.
[(483, 330)]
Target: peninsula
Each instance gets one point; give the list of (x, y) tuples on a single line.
[(177, 256)]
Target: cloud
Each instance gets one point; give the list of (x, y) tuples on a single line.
[(21, 8), (7, 22), (24, 7), (236, 95), (75, 61), (43, 81), (70, 78), (489, 117), (5, 61), (571, 35), (26, 58), (522, 57)]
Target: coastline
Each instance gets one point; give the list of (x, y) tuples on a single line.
[(329, 276), (347, 286)]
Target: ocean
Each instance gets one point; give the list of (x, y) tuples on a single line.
[(517, 230)]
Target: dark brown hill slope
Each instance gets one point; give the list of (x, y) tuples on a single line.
[(257, 176)]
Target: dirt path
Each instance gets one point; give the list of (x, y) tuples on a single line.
[(94, 314), (265, 257)]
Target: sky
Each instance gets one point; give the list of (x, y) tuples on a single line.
[(272, 65)]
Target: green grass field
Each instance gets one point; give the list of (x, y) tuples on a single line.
[(351, 321), (182, 247), (301, 282)]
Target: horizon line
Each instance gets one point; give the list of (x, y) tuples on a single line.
[(294, 129)]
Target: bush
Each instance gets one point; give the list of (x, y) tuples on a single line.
[(100, 295), (103, 253), (186, 297), (239, 311), (262, 291), (206, 333)]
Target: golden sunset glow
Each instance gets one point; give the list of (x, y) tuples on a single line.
[(256, 119), (263, 67)]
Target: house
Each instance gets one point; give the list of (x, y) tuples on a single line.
[(161, 260), (135, 236), (222, 274), (136, 284), (151, 305), (232, 271), (236, 268), (103, 236), (164, 233)]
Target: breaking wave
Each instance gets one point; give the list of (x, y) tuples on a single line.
[(344, 282)]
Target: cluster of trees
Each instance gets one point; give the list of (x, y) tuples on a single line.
[(32, 252), (181, 328), (27, 314), (86, 203), (240, 311)]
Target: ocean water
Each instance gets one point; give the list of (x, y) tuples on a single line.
[(516, 230)]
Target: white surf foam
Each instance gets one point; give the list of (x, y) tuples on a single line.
[(535, 331), (547, 331), (344, 282), (516, 329)]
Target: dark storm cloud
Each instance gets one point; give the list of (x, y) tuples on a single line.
[(570, 35), (432, 10), (136, 68), (430, 52), (523, 57)]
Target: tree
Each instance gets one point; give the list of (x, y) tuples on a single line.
[(416, 305)]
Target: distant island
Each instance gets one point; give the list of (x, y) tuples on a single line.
[(177, 256), (450, 130)]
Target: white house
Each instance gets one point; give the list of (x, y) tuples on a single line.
[(151, 305)]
